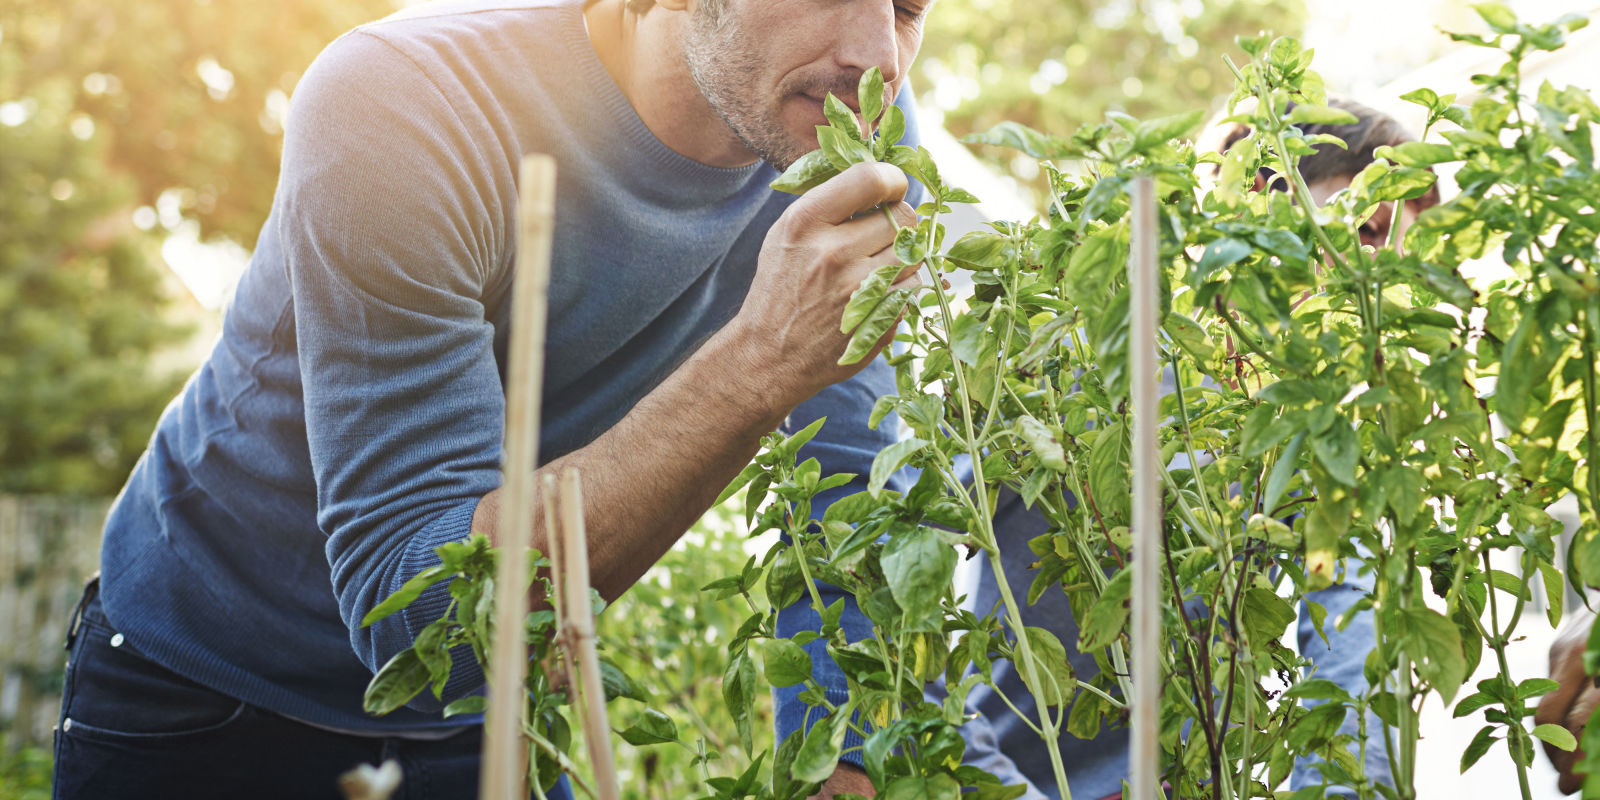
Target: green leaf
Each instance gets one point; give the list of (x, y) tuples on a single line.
[(890, 130), (1109, 614), (1017, 136), (1042, 442), (402, 678), (1417, 154), (1499, 17), (785, 581), (1263, 430), (738, 695), (869, 94), (1109, 472), (841, 117), (1044, 340), (867, 296), (914, 787), (1163, 129), (1554, 593), (1435, 646), (409, 591), (1480, 744), (1317, 689), (1265, 616), (841, 149), (875, 326), (1427, 98), (918, 566), (1058, 683), (1308, 114), (819, 753), (616, 683), (924, 653), (472, 704), (429, 646), (1556, 736), (978, 250), (792, 444), (908, 246), (1282, 470), (739, 481), (653, 727), (787, 663), (890, 459), (1220, 254), (806, 173), (1339, 451)]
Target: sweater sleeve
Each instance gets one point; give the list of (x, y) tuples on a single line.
[(391, 218)]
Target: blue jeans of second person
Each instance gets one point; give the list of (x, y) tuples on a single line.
[(132, 729)]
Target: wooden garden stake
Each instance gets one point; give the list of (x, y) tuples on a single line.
[(569, 571), (504, 771), (1143, 283)]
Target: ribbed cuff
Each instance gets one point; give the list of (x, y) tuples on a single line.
[(791, 714), (454, 525)]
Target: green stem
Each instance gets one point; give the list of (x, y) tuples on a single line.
[(985, 522), (1516, 735)]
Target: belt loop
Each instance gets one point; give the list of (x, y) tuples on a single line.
[(91, 589)]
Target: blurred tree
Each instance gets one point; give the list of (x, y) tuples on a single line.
[(190, 94), (119, 122), (1059, 64)]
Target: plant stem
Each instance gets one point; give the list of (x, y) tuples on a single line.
[(1516, 735), (985, 522)]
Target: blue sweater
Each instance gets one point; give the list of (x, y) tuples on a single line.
[(350, 416)]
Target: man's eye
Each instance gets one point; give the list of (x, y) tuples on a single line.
[(908, 13)]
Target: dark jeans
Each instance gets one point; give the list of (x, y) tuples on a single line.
[(130, 728)]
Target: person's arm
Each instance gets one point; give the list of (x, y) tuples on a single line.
[(394, 219)]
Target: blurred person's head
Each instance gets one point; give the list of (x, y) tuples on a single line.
[(1332, 168)]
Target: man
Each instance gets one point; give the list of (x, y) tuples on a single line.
[(998, 740), (349, 419)]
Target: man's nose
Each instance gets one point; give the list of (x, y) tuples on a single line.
[(868, 38)]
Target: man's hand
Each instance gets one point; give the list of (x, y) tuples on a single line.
[(1570, 705), (813, 258), (846, 779)]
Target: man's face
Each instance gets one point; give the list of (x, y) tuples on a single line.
[(1375, 231), (765, 66)]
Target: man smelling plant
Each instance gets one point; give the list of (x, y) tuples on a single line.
[(349, 419)]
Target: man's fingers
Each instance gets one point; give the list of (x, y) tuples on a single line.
[(851, 192)]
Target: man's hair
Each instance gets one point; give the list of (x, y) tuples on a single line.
[(1372, 129)]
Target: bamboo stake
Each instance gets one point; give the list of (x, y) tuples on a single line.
[(575, 622), (1143, 284), (504, 771)]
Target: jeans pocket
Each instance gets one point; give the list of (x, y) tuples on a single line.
[(112, 691)]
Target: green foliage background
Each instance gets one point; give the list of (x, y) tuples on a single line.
[(1057, 65), (103, 110)]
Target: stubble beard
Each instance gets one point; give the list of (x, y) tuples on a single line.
[(724, 69)]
